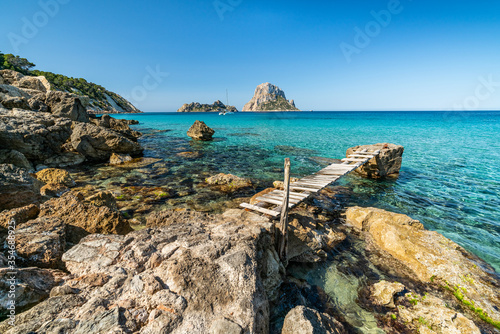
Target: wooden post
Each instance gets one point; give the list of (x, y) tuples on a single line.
[(283, 228)]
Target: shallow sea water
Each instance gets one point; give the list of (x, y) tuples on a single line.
[(450, 178)]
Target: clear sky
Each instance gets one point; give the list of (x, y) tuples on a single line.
[(326, 55)]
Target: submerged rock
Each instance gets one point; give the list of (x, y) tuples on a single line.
[(228, 182), (404, 248), (200, 131), (305, 320), (387, 163), (118, 159)]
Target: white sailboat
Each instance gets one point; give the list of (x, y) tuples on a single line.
[(226, 112)]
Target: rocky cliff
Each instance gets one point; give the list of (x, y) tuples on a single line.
[(217, 106), (95, 98), (268, 97)]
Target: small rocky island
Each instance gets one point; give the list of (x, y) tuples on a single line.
[(217, 106), (268, 97)]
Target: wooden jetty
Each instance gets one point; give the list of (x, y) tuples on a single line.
[(300, 190)]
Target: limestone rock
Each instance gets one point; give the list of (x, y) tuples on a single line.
[(387, 163), (41, 242), (68, 105), (217, 106), (17, 187), (305, 320), (406, 248), (39, 83), (20, 215), (268, 97), (383, 292), (84, 218), (53, 190), (118, 159), (228, 182), (200, 131), (102, 198), (16, 158), (432, 315), (64, 159), (55, 176), (32, 286), (98, 143), (37, 135)]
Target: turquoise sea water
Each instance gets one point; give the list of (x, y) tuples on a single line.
[(450, 179)]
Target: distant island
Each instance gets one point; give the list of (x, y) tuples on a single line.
[(217, 106), (268, 97), (95, 98)]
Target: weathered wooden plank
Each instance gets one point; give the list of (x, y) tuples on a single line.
[(353, 160), (259, 209), (360, 156), (300, 195), (304, 189), (273, 201), (308, 185), (279, 198)]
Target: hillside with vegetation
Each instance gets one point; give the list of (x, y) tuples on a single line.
[(99, 98)]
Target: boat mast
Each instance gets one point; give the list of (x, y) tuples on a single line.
[(227, 98)]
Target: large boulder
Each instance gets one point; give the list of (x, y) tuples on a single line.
[(402, 246), (194, 277), (17, 187), (98, 143), (386, 164), (68, 105), (200, 131), (305, 320), (38, 136), (84, 218)]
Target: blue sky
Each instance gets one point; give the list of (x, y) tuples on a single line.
[(431, 55)]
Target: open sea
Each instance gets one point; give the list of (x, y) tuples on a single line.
[(450, 178)]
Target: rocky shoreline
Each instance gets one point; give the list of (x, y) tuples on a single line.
[(80, 267)]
